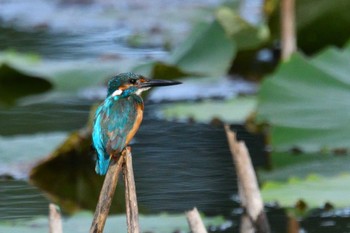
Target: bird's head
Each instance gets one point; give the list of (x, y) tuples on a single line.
[(126, 84)]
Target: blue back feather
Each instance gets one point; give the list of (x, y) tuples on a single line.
[(114, 119)]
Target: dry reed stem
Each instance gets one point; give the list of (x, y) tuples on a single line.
[(195, 221), (248, 187), (132, 212), (106, 195), (55, 221), (288, 35)]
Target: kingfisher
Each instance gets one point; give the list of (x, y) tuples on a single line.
[(119, 116)]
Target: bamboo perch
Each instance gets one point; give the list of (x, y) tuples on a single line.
[(195, 221), (132, 212), (254, 218), (246, 225), (106, 195), (55, 222), (288, 35), (293, 225)]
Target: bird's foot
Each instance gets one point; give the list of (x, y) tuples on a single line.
[(116, 156)]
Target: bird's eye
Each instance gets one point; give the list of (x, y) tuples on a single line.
[(132, 81)]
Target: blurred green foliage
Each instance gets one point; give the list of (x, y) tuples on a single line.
[(306, 102)]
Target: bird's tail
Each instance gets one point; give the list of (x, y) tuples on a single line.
[(102, 165)]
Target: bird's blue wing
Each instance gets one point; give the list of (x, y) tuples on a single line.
[(114, 119), (98, 139)]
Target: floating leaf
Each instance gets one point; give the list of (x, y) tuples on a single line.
[(286, 165), (211, 47), (314, 190), (251, 61), (15, 84), (246, 35), (37, 145), (20, 75), (234, 111), (76, 76), (68, 175), (306, 102), (25, 63), (23, 74), (207, 51)]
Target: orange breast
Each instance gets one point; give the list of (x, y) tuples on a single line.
[(139, 108)]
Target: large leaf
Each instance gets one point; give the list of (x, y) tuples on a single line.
[(207, 51), (233, 111), (294, 174), (245, 34), (68, 175), (23, 74), (16, 81), (251, 61), (15, 161), (211, 47), (306, 102), (314, 190), (285, 165)]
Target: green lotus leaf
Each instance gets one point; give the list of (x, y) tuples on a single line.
[(314, 190), (19, 79), (306, 102)]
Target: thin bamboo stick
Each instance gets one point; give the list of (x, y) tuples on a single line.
[(248, 187), (288, 35), (55, 222), (106, 195), (195, 221), (132, 212)]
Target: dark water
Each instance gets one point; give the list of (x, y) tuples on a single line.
[(64, 115), (19, 200), (76, 45), (184, 165)]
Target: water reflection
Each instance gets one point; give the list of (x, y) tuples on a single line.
[(19, 200), (44, 117), (55, 45), (177, 166)]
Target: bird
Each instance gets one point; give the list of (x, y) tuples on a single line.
[(118, 117)]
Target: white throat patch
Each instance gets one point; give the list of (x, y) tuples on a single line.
[(117, 92), (139, 91)]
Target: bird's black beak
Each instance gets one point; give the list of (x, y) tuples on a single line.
[(158, 83)]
